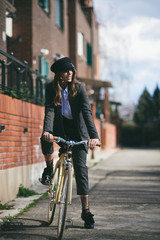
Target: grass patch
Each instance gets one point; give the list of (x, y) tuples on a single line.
[(6, 221), (25, 192), (5, 207)]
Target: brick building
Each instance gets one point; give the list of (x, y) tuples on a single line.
[(42, 30)]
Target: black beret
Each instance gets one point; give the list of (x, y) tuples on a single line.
[(62, 65)]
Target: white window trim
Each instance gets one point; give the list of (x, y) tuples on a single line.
[(80, 47)]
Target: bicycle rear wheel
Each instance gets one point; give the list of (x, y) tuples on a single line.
[(51, 193), (64, 203)]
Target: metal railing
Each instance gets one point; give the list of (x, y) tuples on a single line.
[(18, 80)]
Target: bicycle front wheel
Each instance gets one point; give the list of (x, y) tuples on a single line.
[(64, 202), (51, 193)]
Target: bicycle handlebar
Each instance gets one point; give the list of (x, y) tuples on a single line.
[(59, 139)]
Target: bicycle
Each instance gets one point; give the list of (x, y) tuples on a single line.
[(60, 189)]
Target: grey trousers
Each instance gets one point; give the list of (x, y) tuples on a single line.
[(79, 156)]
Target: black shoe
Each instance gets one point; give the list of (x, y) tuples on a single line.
[(47, 175), (87, 217)]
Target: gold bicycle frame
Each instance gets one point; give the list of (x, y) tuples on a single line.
[(60, 164)]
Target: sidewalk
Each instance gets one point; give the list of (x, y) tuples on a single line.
[(21, 203)]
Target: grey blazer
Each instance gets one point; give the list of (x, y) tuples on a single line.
[(81, 112)]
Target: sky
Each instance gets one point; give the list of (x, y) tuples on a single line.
[(129, 36)]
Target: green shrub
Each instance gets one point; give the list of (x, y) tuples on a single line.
[(25, 192), (5, 207)]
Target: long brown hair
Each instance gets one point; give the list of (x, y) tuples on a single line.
[(72, 89)]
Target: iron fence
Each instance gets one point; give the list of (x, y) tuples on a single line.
[(18, 80)]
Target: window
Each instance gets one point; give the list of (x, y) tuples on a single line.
[(43, 66), (80, 44), (59, 13), (45, 4), (11, 1), (89, 54), (9, 25)]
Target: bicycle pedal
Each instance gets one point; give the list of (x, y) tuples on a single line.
[(67, 222), (44, 183)]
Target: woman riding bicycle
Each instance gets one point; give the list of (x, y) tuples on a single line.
[(68, 115)]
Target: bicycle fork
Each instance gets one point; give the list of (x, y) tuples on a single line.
[(66, 164)]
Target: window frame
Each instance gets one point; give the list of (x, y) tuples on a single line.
[(80, 44), (59, 14), (42, 5), (9, 25), (11, 2)]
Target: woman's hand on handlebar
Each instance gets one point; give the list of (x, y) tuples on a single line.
[(92, 143), (48, 137)]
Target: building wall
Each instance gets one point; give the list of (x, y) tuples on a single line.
[(19, 147), (72, 31), (21, 159), (21, 42), (84, 21), (4, 6), (109, 140), (107, 107), (95, 44), (34, 29), (46, 34), (2, 25), (11, 178), (83, 70), (38, 30), (91, 18)]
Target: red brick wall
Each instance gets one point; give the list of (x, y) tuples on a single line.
[(38, 31), (16, 147), (22, 28), (83, 26), (106, 106), (78, 23), (46, 34), (109, 140), (89, 13), (106, 131), (95, 44), (96, 121), (72, 28)]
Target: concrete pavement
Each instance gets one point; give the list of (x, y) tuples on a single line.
[(124, 197)]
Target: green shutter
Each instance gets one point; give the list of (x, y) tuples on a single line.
[(43, 66), (46, 5), (46, 68), (89, 54)]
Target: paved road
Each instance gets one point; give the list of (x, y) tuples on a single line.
[(124, 196)]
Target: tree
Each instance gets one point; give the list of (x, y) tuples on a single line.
[(144, 111), (156, 104)]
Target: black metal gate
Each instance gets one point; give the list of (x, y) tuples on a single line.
[(18, 80)]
